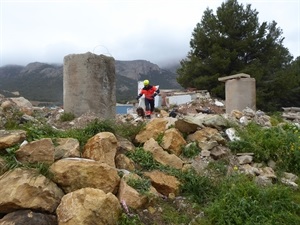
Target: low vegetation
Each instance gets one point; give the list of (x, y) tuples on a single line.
[(191, 150), (213, 199), (141, 185), (67, 117), (280, 143)]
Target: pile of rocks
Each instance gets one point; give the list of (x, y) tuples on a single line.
[(90, 185), (291, 113)]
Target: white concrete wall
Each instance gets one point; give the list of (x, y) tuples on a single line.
[(178, 100)]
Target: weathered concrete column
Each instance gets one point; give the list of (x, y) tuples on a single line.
[(90, 85), (240, 92)]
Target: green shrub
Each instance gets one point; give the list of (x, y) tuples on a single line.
[(39, 131), (159, 138), (67, 117), (172, 215), (98, 126), (126, 219), (218, 169), (128, 130), (10, 158), (280, 143), (240, 201), (36, 132), (276, 118), (13, 118), (11, 124), (93, 128), (11, 162), (201, 189), (141, 185), (42, 168), (191, 150), (144, 159)]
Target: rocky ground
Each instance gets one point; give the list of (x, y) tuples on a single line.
[(167, 210), (161, 212), (198, 106), (171, 210), (204, 106)]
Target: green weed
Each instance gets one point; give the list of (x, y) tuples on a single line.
[(36, 132), (128, 130), (280, 144), (11, 162), (10, 158), (144, 159), (11, 124), (201, 189), (172, 216), (93, 128), (42, 168), (67, 117), (217, 169), (191, 150), (159, 138), (240, 201), (276, 118), (129, 220), (141, 185), (13, 119)]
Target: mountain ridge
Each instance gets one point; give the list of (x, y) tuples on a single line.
[(43, 82)]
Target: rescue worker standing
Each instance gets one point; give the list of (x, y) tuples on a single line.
[(150, 92)]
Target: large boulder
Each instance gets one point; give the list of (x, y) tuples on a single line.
[(173, 141), (26, 189), (11, 138), (28, 217), (129, 196), (102, 147), (162, 156), (66, 148), (89, 206), (40, 151), (153, 129), (75, 173), (163, 183)]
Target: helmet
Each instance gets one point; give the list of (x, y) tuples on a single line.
[(146, 82)]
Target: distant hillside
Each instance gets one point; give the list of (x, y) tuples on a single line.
[(44, 82), (36, 81)]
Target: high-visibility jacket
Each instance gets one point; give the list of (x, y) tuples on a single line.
[(149, 91)]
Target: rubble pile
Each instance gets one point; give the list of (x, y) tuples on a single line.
[(92, 183)]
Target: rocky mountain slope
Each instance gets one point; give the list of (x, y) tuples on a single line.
[(43, 82)]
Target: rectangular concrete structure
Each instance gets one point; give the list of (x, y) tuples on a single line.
[(90, 85), (240, 92)]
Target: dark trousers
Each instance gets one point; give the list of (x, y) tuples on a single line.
[(149, 104)]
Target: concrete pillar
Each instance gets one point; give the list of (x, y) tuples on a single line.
[(90, 85), (240, 92)]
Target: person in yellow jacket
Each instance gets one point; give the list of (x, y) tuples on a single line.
[(150, 92)]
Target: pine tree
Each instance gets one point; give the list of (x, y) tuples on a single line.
[(233, 41)]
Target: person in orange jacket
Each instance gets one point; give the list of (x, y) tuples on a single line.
[(150, 92)]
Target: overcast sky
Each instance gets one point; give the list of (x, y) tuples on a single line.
[(155, 30)]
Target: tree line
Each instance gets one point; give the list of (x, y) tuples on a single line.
[(232, 41)]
